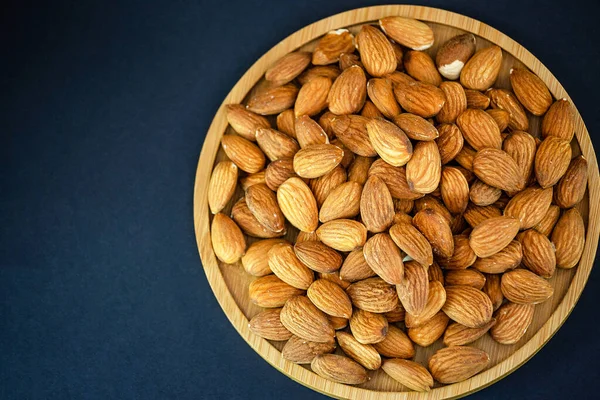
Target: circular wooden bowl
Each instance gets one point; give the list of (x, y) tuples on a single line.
[(230, 282)]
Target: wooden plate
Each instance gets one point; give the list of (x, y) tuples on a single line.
[(230, 282)]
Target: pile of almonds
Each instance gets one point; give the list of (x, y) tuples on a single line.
[(418, 199)]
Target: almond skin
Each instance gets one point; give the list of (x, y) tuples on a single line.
[(450, 142), (424, 169), (568, 238), (435, 204), (412, 242), (369, 110), (396, 315), (330, 298), (455, 190), (342, 202), (312, 97), (298, 204), (468, 306), (381, 93), (437, 231), (492, 235), (512, 322), (479, 129), (285, 123), (413, 290), (273, 100), (546, 225), (408, 32), (288, 67), (482, 194), (415, 127), (352, 131), (279, 171), (530, 90), (493, 289), (457, 363), (504, 100), (500, 116), (529, 206), (325, 71), (481, 71), (302, 351), (331, 45), (222, 185), (498, 169), (395, 344), (384, 258), (465, 277), (524, 287), (455, 105), (376, 205), (559, 121), (364, 354), (355, 267), (435, 301), (474, 215), (270, 291), (227, 239), (507, 258), (255, 261), (348, 92), (420, 98), (267, 325), (420, 66), (452, 55), (390, 142), (318, 257), (552, 160), (324, 185), (287, 267), (337, 323), (252, 179), (242, 216), (300, 316), (395, 180), (476, 99), (465, 157), (343, 234), (348, 60), (368, 327), (521, 146), (339, 369), (374, 295), (245, 122), (276, 145), (376, 51), (262, 202), (409, 373), (245, 154), (317, 160), (358, 171), (460, 335), (463, 256), (571, 187), (430, 331), (435, 273)]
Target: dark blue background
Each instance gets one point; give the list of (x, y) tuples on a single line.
[(104, 110)]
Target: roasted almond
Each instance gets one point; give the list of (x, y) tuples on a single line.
[(479, 129), (420, 98), (507, 258), (395, 344), (374, 295), (342, 202), (352, 131), (245, 154), (325, 71), (318, 257), (262, 202), (468, 306), (348, 60), (512, 322), (482, 194), (364, 354), (348, 92), (408, 32), (571, 187), (412, 242), (376, 205), (507, 101), (450, 142), (334, 277), (355, 267), (255, 261), (463, 256), (381, 93), (455, 105), (317, 160), (476, 99), (279, 171), (285, 123), (395, 180), (339, 369), (242, 216), (384, 258), (455, 190), (547, 223), (252, 179), (413, 290), (524, 287), (429, 332), (529, 206), (521, 147), (498, 169), (331, 45), (465, 277), (492, 235), (474, 215), (552, 160), (420, 66), (376, 51), (481, 71), (415, 127), (273, 100), (222, 185), (288, 67), (245, 122), (435, 273), (396, 315), (286, 266), (267, 325), (424, 169), (568, 238), (298, 204), (337, 322), (324, 185), (559, 121), (500, 116), (453, 54), (275, 144), (270, 291), (343, 234), (409, 373), (530, 90), (465, 157), (301, 317), (429, 201), (460, 335), (369, 110), (457, 363), (228, 242), (312, 97), (435, 301), (358, 170), (302, 351), (368, 327), (330, 298), (437, 231), (390, 142)]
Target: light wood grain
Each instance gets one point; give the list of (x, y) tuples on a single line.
[(230, 282)]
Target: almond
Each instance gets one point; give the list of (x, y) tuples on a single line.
[(298, 204), (524, 287), (468, 306), (343, 234), (530, 90), (455, 105), (415, 127), (435, 301), (285, 123), (331, 45), (500, 116), (420, 66), (334, 277), (521, 147), (479, 129), (408, 32), (222, 185), (376, 205), (450, 142), (326, 121), (337, 323), (384, 258), (355, 267), (559, 121), (482, 194), (352, 131), (303, 319), (273, 100), (339, 369), (529, 206), (552, 160), (364, 354), (348, 92), (413, 290), (481, 71), (409, 373), (374, 295), (394, 178), (255, 261), (325, 71), (430, 331), (369, 110), (312, 97), (359, 169), (459, 335), (492, 235), (505, 100), (412, 242), (324, 185), (348, 155), (252, 179), (368, 327), (465, 157), (318, 257), (242, 216), (507, 258), (227, 239), (270, 291), (424, 169), (262, 202), (381, 93), (463, 256), (435, 204), (342, 202), (420, 98), (465, 277), (435, 273), (348, 60), (547, 223), (390, 142), (455, 190), (276, 145), (268, 325), (476, 99), (395, 344), (569, 238), (288, 67), (571, 187), (457, 363), (475, 214), (453, 54), (437, 231), (396, 315), (498, 169), (302, 351), (399, 78), (330, 298), (245, 122), (279, 171), (376, 51), (317, 160), (245, 154), (512, 322), (404, 206), (286, 266)]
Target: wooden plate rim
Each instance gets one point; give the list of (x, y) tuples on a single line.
[(211, 144)]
